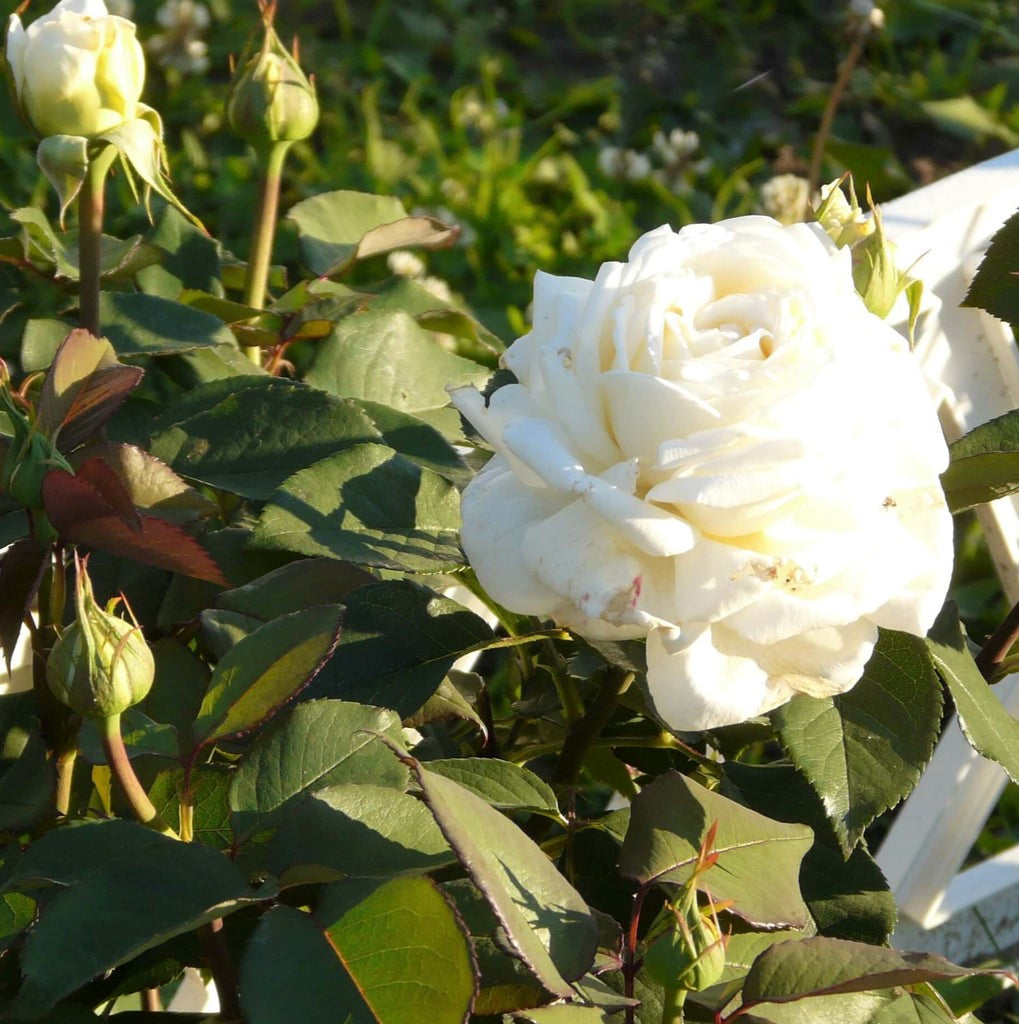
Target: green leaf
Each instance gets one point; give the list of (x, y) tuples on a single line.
[(418, 441), (863, 751), (40, 342), (17, 912), (985, 462), (369, 505), (26, 788), (789, 971), (338, 228), (545, 920), (397, 956), (963, 115), (505, 983), (293, 587), (260, 673), (314, 745), (499, 783), (137, 324), (385, 357), (356, 830), (566, 1013), (249, 436), (990, 729), (452, 699), (209, 789), (399, 641), (145, 887), (847, 898), (668, 822), (191, 258), (41, 243)]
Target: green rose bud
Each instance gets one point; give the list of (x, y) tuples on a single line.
[(77, 70), (101, 665), (271, 99), (690, 953)]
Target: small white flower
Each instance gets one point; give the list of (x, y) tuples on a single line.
[(786, 198), (623, 164), (405, 264), (179, 46), (716, 447)]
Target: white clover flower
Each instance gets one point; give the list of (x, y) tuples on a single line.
[(404, 263), (716, 447), (786, 197), (624, 164), (179, 46)]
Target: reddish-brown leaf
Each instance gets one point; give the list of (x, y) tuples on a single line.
[(81, 514), (94, 405), (110, 489)]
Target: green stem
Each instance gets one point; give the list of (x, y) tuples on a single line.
[(90, 235), (263, 235), (65, 777), (582, 734), (120, 766), (672, 1005)]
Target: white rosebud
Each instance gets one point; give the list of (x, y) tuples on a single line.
[(716, 447), (77, 70), (404, 263)]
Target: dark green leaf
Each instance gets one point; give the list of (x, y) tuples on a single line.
[(397, 956), (545, 920), (260, 673), (209, 789), (399, 641), (356, 830), (291, 588), (848, 899), (863, 751), (369, 505), (668, 823), (138, 324), (21, 570), (790, 971), (499, 783), (994, 286), (984, 464), (26, 788), (17, 912), (258, 433), (314, 745), (144, 886), (990, 729)]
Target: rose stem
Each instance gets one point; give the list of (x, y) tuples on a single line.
[(90, 235), (630, 949), (263, 234), (59, 725), (223, 974), (120, 766), (151, 1002), (828, 116), (1000, 642), (672, 1005), (582, 734)]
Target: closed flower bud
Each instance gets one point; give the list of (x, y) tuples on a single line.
[(271, 99), (101, 665), (690, 954), (77, 70)]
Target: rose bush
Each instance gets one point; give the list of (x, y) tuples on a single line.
[(717, 447), (77, 70)]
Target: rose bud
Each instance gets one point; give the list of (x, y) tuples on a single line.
[(101, 665), (690, 953), (271, 99), (76, 70)]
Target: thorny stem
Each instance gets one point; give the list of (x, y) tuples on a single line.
[(630, 964), (584, 731), (1000, 642), (90, 233), (834, 98), (263, 235), (123, 772)]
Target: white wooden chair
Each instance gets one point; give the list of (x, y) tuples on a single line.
[(974, 361)]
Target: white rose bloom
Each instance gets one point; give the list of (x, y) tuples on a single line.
[(77, 70), (717, 447)]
